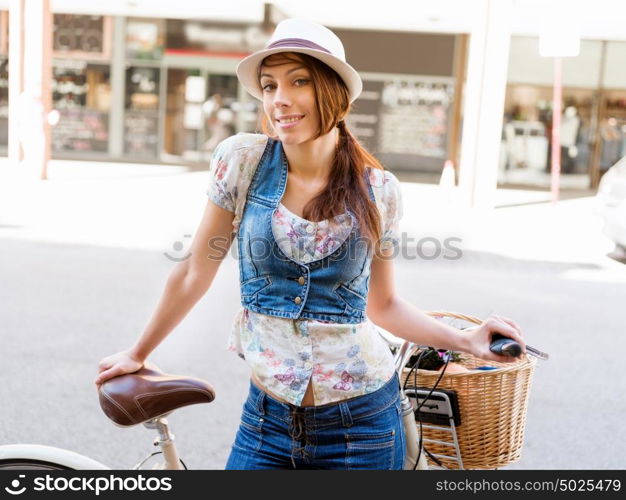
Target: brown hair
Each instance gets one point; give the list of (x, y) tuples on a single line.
[(346, 186)]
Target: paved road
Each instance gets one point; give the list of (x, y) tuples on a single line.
[(82, 267), (64, 306)]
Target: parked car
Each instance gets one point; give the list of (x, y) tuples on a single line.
[(611, 204)]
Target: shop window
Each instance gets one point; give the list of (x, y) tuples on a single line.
[(612, 119), (612, 130), (4, 101), (4, 79), (81, 37), (145, 38), (81, 93), (141, 118), (202, 110), (526, 149)]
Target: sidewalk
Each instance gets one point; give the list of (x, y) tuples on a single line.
[(527, 227), (155, 206)]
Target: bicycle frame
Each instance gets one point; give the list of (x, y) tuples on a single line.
[(413, 451)]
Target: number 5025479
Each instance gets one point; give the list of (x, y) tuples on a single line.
[(590, 485)]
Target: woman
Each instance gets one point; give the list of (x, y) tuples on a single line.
[(316, 221)]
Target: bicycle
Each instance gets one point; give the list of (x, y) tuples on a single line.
[(145, 397), (149, 395)]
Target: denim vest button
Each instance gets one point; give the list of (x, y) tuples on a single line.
[(301, 280), (297, 300)]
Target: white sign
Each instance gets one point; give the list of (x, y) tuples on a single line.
[(559, 35), (559, 43), (194, 89), (192, 118)]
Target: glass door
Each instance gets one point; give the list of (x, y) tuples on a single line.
[(141, 115), (183, 124)]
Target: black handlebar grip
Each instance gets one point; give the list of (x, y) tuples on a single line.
[(504, 346)]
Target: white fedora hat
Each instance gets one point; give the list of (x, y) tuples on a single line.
[(306, 37)]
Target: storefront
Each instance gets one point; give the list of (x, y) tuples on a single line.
[(136, 89), (404, 114), (81, 86), (165, 90), (593, 123)]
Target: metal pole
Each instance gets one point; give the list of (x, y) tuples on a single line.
[(118, 82), (34, 103), (46, 84), (556, 126), (16, 78)]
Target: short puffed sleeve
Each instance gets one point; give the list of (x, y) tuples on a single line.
[(232, 167), (388, 194)]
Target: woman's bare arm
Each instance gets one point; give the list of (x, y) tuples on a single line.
[(391, 312)]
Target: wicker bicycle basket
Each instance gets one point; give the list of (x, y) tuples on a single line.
[(492, 404)]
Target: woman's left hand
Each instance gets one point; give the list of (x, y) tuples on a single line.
[(480, 337)]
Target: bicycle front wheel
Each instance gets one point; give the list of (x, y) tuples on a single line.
[(39, 457), (31, 464)]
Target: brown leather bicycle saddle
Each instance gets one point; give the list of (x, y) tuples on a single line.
[(148, 393)]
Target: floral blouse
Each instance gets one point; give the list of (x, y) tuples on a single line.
[(340, 360)]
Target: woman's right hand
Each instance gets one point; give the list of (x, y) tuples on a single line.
[(117, 364)]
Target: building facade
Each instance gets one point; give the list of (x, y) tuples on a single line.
[(164, 90)]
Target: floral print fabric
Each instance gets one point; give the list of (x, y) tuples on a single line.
[(305, 241), (340, 360)]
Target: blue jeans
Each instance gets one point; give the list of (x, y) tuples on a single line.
[(365, 432)]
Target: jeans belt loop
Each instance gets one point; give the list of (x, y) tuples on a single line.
[(346, 417), (260, 400)]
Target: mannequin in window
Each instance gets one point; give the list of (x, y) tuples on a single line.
[(611, 137), (570, 123), (220, 122)]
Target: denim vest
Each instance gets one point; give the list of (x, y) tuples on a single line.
[(333, 288)]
